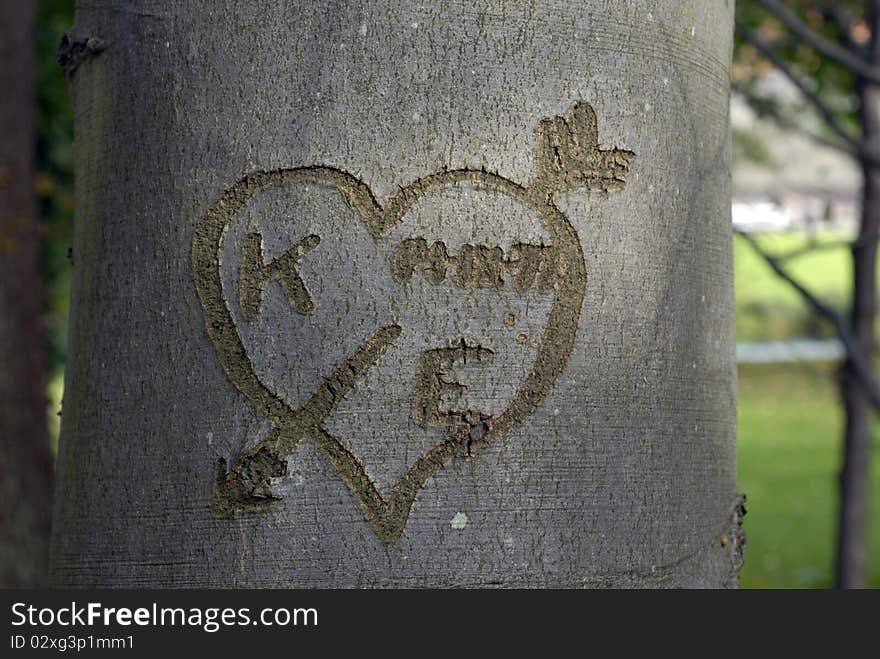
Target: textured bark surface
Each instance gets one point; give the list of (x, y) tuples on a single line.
[(25, 461), (400, 294)]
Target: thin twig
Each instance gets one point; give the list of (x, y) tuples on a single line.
[(861, 363), (814, 246)]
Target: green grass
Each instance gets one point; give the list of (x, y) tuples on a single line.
[(790, 433), (791, 421)]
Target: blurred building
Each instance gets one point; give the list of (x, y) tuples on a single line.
[(783, 180)]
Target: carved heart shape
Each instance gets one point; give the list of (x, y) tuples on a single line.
[(568, 157)]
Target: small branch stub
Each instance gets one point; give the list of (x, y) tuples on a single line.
[(72, 51)]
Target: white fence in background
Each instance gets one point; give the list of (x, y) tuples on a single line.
[(805, 350)]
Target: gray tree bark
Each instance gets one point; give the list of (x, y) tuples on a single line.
[(25, 459), (400, 294)]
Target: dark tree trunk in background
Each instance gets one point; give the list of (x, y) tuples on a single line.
[(855, 476), (25, 460), (400, 294)]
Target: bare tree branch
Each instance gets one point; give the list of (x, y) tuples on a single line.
[(861, 363), (821, 107), (787, 123), (826, 47), (812, 248), (857, 147)]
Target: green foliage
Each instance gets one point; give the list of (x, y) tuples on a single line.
[(54, 177), (790, 442)]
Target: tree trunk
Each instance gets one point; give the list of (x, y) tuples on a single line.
[(855, 475), (25, 460), (400, 294)]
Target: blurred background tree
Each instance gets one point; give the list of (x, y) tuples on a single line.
[(829, 54), (25, 459), (36, 228)]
